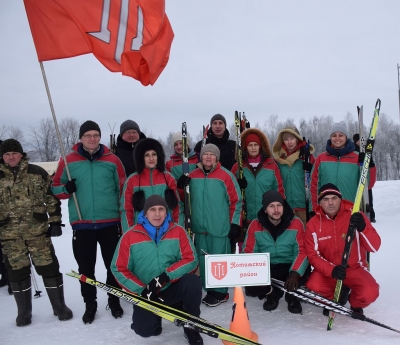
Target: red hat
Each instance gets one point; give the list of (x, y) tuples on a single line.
[(252, 138)]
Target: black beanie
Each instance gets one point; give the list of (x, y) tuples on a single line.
[(328, 189), (218, 117), (154, 200), (356, 137), (88, 126), (271, 196), (10, 145)]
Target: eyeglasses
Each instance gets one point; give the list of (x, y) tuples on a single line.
[(94, 136), (131, 132)]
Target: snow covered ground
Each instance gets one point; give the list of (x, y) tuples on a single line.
[(277, 327)]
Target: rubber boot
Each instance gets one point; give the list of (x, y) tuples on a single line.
[(23, 296), (55, 291)]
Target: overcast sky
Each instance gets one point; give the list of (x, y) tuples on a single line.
[(290, 58)]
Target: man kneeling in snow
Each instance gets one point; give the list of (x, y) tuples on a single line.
[(279, 232), (155, 259), (325, 240)]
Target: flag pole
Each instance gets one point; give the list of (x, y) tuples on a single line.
[(58, 135), (398, 82)]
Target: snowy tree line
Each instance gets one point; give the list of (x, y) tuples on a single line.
[(42, 144)]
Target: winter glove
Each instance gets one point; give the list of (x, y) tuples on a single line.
[(292, 281), (70, 186), (54, 229), (5, 221), (234, 232), (183, 181), (307, 166), (339, 272), (242, 182), (154, 286), (358, 221)]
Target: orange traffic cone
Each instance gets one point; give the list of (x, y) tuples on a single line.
[(240, 322)]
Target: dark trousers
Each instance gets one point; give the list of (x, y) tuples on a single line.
[(371, 205), (84, 245), (187, 290)]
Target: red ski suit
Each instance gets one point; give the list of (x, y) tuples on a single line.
[(324, 244)]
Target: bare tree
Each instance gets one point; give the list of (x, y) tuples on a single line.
[(3, 130), (69, 132), (44, 141), (16, 133)]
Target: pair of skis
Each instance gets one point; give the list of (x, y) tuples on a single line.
[(307, 178), (178, 317), (357, 202), (185, 171), (240, 125), (320, 301)]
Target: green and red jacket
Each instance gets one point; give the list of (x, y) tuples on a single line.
[(215, 200), (99, 184), (266, 177), (174, 165), (342, 170), (138, 259), (150, 181), (287, 248)]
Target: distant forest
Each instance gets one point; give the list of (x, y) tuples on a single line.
[(41, 143)]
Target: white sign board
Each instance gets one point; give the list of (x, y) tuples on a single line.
[(229, 270)]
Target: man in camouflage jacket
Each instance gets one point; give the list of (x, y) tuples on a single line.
[(29, 216)]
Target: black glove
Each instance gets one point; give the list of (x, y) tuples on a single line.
[(242, 182), (358, 221), (307, 166), (154, 286), (5, 221), (339, 272), (183, 181), (361, 157), (292, 281), (54, 229), (70, 186), (234, 232)]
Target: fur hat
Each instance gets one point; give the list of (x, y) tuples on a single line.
[(264, 143), (127, 125), (339, 127), (88, 126), (154, 200), (218, 117), (328, 189), (145, 145), (210, 148), (10, 145), (271, 196)]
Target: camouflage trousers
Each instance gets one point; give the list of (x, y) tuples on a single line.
[(18, 250)]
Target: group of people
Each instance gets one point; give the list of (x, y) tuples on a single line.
[(131, 203)]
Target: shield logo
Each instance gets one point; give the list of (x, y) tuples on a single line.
[(219, 270)]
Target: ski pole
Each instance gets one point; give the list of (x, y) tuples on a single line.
[(35, 284)]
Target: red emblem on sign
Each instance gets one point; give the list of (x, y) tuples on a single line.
[(219, 269)]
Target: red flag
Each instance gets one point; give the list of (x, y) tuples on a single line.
[(129, 36)]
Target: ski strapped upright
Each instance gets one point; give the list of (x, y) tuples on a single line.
[(357, 202), (238, 121), (320, 301), (113, 145), (178, 317), (307, 177), (205, 135), (185, 171)]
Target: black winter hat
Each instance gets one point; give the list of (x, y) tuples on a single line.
[(10, 145), (127, 125), (271, 196), (154, 200), (328, 189), (218, 117), (88, 126)]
